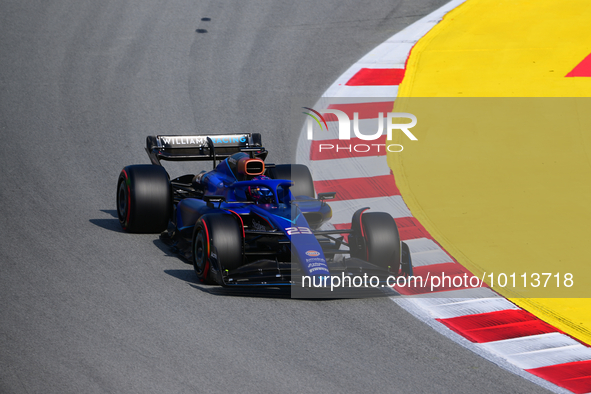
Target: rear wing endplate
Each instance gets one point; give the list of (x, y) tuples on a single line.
[(202, 147)]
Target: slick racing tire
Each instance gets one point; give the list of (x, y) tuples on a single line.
[(375, 239), (303, 185), (217, 246), (144, 199)]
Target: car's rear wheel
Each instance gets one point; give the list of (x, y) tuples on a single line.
[(303, 185), (217, 246), (375, 239), (144, 198)]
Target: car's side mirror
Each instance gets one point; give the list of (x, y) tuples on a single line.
[(214, 198), (327, 195)]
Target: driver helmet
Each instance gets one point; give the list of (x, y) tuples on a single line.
[(260, 194)]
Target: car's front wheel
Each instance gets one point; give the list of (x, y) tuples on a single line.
[(217, 246), (375, 239)]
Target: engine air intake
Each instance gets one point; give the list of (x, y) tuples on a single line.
[(251, 167)]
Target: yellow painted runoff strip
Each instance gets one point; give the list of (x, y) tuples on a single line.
[(501, 172)]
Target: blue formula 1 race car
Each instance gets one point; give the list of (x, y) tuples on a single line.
[(246, 222)]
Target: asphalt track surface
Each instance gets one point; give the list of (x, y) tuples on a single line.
[(87, 308)]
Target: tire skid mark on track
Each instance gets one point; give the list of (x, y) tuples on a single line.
[(478, 318)]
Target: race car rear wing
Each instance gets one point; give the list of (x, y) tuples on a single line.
[(203, 147)]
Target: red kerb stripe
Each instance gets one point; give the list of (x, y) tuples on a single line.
[(377, 77), (410, 228), (575, 376), (364, 110), (354, 188), (499, 325)]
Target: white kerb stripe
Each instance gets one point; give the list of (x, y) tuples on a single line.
[(530, 343), (431, 257), (466, 307), (544, 358), (355, 167), (537, 351), (421, 245), (391, 54)]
